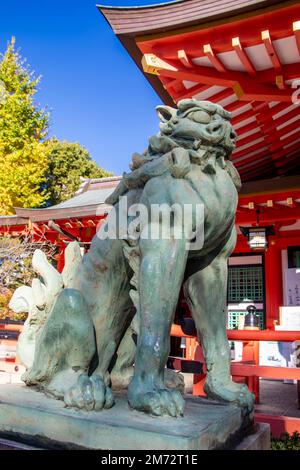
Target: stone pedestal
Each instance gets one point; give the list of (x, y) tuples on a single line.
[(30, 417)]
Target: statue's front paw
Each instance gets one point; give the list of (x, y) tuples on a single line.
[(89, 393), (231, 392), (157, 402), (34, 376)]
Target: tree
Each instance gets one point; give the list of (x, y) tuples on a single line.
[(16, 267), (23, 128), (67, 162)]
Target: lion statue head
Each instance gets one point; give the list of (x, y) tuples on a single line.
[(200, 128), (198, 123)]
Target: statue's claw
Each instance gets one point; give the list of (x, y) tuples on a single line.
[(230, 392), (89, 393), (157, 402), (34, 376)]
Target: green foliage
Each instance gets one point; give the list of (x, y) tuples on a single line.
[(286, 442), (23, 127), (5, 312), (34, 172), (67, 162), (16, 268)]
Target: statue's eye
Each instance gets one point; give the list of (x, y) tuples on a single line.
[(200, 116)]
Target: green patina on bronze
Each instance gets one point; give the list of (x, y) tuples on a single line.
[(90, 313)]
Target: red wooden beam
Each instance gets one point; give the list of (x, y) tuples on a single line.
[(264, 172), (263, 335), (222, 95), (265, 36), (255, 159), (287, 164), (250, 149), (274, 123), (248, 335), (296, 29), (244, 209), (247, 128), (246, 88), (279, 424), (236, 44), (288, 71), (276, 134), (292, 204), (276, 197), (256, 165), (268, 216), (172, 83), (249, 370), (285, 152), (182, 56), (267, 116), (209, 53), (250, 138), (286, 141), (242, 117), (190, 92), (235, 106)]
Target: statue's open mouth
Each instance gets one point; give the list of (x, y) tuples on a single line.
[(190, 143)]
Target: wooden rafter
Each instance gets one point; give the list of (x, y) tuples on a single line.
[(182, 56), (222, 95), (250, 148), (214, 60), (236, 44), (242, 117), (171, 83), (190, 92), (274, 123), (285, 141), (258, 160), (275, 135), (288, 71), (265, 36), (296, 30), (284, 152), (279, 79), (245, 129), (250, 138), (291, 203), (245, 88)]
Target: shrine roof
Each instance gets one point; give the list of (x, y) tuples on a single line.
[(244, 55), (89, 201), (164, 16)]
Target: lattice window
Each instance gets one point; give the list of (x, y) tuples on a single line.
[(245, 282)]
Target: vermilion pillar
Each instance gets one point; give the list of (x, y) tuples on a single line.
[(273, 279)]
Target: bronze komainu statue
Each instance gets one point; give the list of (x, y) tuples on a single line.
[(79, 333)]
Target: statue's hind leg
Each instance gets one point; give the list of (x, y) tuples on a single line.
[(205, 291), (104, 282), (65, 345)]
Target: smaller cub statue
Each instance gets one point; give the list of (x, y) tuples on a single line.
[(79, 335)]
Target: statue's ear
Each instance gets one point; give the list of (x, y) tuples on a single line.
[(165, 113)]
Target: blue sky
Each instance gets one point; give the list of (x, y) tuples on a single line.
[(95, 92)]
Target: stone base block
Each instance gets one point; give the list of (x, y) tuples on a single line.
[(31, 418)]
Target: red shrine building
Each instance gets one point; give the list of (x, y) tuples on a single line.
[(245, 56)]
